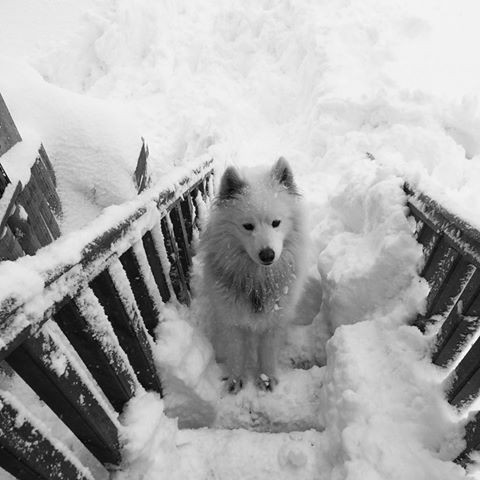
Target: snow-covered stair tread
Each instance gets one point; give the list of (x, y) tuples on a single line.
[(295, 404), (241, 454)]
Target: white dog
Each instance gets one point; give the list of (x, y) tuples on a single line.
[(253, 250)]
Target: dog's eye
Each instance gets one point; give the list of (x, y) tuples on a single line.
[(248, 226), (276, 223)]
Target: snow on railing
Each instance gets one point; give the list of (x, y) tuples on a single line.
[(77, 318), (451, 250)]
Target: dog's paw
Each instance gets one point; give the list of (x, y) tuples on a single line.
[(233, 384), (266, 382)]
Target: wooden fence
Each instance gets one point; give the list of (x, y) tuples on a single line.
[(107, 302), (451, 250), (28, 213)]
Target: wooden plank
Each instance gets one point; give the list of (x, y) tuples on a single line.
[(23, 232), (8, 204), (202, 187), (47, 367), (188, 213), (107, 364), (140, 175), (29, 202), (27, 452), (419, 226), (4, 180), (132, 338), (209, 178), (10, 249), (438, 264), (472, 439), (450, 340), (456, 272), (155, 263), (473, 308), (436, 270), (181, 239), (43, 206), (47, 164), (9, 135), (464, 378), (140, 290), (429, 239), (47, 186), (177, 275), (469, 392)]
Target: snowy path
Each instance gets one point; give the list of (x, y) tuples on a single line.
[(357, 96)]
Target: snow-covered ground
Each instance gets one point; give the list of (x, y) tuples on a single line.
[(358, 96)]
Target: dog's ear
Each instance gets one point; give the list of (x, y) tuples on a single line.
[(231, 184), (282, 173)]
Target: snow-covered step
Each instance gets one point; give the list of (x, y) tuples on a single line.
[(241, 454), (295, 404)]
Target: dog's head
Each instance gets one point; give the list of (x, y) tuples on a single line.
[(259, 209)]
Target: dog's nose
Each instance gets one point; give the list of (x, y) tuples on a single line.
[(266, 256)]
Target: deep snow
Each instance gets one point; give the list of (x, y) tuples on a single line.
[(358, 96)]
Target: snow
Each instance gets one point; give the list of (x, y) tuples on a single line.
[(358, 96)]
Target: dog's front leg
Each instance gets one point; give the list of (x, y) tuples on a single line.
[(236, 356), (267, 360)]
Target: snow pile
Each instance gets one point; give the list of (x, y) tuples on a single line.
[(384, 407)]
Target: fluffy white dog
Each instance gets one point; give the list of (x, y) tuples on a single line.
[(253, 250)]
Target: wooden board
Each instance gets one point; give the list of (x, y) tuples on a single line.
[(181, 238), (26, 450), (140, 290), (155, 263), (177, 275), (23, 233), (472, 438), (107, 366), (454, 333), (443, 298), (29, 202), (133, 339), (464, 381), (10, 249), (4, 180), (140, 175), (46, 184), (46, 366), (9, 135)]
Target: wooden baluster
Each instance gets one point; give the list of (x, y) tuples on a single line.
[(131, 332), (86, 326), (28, 452), (45, 363)]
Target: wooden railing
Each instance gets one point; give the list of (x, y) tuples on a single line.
[(451, 250), (100, 290)]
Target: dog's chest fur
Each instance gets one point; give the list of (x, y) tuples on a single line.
[(262, 289)]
